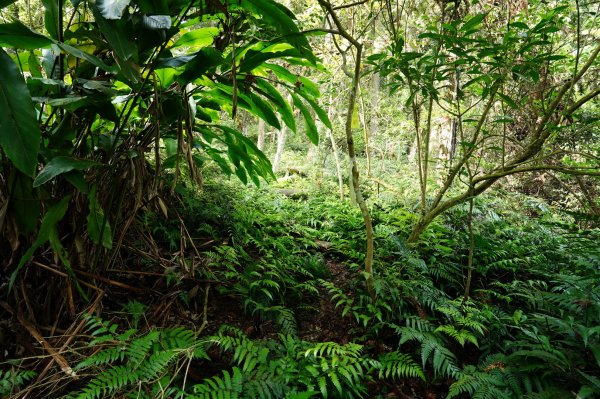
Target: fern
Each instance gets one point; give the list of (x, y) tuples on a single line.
[(226, 386), (108, 382), (11, 379), (140, 363), (397, 365)]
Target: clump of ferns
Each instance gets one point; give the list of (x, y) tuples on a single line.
[(144, 365), (291, 368), (270, 288), (397, 297), (492, 379), (12, 379), (461, 324), (501, 376)]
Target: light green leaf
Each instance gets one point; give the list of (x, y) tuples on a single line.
[(19, 130), (198, 38), (473, 23), (309, 122), (60, 165), (318, 110)]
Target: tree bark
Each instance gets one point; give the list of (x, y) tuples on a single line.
[(281, 137), (351, 150), (260, 143)]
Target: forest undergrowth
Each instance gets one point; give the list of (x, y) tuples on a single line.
[(247, 293)]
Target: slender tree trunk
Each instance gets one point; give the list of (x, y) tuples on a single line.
[(350, 141), (281, 137), (471, 250), (351, 189), (260, 143), (338, 164), (367, 134), (336, 152)]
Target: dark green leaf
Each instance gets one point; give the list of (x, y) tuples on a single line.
[(49, 222), (253, 58), (17, 35), (24, 203), (98, 226), (282, 106), (75, 177), (51, 17), (88, 57), (205, 60), (19, 131), (318, 110), (508, 101), (4, 3), (279, 17), (263, 110), (60, 165), (118, 33)]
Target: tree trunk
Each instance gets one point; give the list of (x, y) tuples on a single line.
[(355, 186), (336, 152), (260, 143), (281, 136)]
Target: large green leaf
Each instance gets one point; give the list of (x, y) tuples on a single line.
[(119, 35), (19, 129), (309, 122), (279, 17), (92, 59), (198, 38), (318, 110), (264, 111), (205, 60), (60, 165), (253, 58), (49, 222), (17, 35), (282, 106), (51, 17)]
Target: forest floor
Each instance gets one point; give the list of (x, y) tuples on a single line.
[(258, 253)]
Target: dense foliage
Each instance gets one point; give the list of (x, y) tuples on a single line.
[(151, 249)]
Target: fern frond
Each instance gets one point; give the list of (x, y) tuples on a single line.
[(398, 365), (10, 379), (108, 382), (226, 386)]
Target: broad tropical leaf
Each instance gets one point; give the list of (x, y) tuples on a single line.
[(19, 131)]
